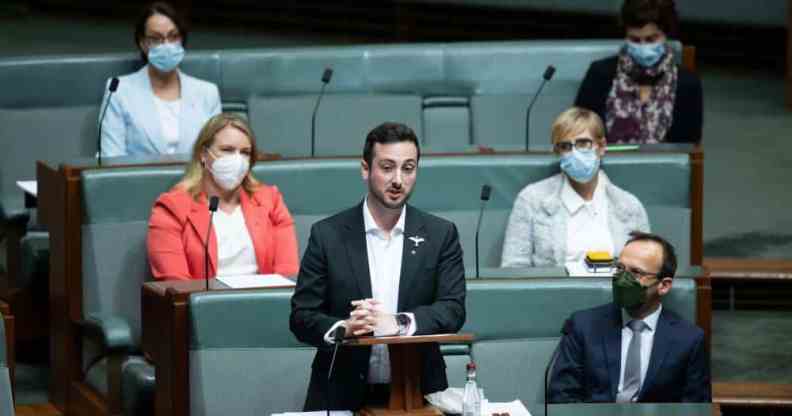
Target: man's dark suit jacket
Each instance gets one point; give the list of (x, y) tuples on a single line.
[(589, 361), (335, 271), (688, 113)]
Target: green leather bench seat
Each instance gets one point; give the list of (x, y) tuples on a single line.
[(447, 186), (455, 95), (244, 360), (517, 324)]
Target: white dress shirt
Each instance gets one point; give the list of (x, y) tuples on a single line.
[(647, 338), (169, 114), (587, 227), (384, 251), (235, 252)]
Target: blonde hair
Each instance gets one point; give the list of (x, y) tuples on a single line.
[(575, 120), (194, 174)]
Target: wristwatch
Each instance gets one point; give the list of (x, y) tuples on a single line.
[(403, 321)]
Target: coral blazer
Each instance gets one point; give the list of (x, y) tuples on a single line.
[(179, 224)]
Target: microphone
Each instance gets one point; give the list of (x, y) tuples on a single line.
[(213, 202), (338, 339), (326, 76), (547, 76), (485, 196), (112, 88), (553, 358)]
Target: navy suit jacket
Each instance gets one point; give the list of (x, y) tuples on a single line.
[(589, 360)]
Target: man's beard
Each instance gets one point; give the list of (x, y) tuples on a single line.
[(381, 198)]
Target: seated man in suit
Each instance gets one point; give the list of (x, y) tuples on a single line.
[(601, 359), (380, 267)]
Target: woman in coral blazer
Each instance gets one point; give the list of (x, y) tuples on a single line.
[(252, 230)]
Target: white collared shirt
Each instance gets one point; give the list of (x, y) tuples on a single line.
[(169, 115), (647, 338), (384, 251), (236, 255), (587, 227)]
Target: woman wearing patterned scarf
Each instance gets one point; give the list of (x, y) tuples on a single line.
[(642, 95)]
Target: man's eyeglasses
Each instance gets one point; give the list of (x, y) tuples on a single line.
[(638, 273), (579, 144), (154, 41)]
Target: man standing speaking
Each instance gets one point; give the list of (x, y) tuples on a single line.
[(382, 267)]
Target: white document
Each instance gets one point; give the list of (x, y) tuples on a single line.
[(515, 408), (30, 187), (317, 413), (256, 281), (578, 269)]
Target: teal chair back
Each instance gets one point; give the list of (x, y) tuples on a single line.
[(244, 360), (517, 325), (6, 394)]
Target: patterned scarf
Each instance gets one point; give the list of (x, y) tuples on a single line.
[(627, 119)]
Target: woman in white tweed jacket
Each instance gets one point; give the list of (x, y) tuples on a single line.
[(556, 220)]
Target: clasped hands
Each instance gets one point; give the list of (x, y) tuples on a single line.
[(368, 317)]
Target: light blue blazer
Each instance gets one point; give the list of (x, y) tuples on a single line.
[(131, 125)]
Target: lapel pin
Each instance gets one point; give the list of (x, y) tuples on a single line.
[(417, 241)]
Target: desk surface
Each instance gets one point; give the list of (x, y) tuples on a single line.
[(632, 409)]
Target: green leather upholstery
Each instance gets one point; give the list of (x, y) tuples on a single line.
[(34, 262), (517, 325), (244, 360), (6, 396), (283, 124), (516, 322), (453, 95), (118, 202)]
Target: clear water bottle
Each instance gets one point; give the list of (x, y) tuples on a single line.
[(471, 400)]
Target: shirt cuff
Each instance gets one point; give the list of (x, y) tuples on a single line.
[(413, 326), (328, 336)]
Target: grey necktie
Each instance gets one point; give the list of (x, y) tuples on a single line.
[(632, 367)]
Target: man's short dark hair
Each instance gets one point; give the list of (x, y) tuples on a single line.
[(166, 10), (639, 13), (669, 265), (389, 132)]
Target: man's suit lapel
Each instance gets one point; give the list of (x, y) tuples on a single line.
[(357, 254), (612, 348), (413, 252), (663, 339)]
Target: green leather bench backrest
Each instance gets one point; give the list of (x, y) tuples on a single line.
[(447, 186), (241, 348), (517, 325), (117, 205)]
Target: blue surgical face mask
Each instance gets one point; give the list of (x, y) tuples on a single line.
[(580, 165), (166, 57), (646, 55)]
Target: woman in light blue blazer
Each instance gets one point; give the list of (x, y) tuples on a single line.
[(158, 109), (555, 221)]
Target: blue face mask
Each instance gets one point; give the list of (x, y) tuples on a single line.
[(646, 55), (166, 57), (580, 165)]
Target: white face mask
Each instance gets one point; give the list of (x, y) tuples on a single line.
[(229, 171)]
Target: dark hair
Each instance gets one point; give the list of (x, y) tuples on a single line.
[(388, 132), (166, 10), (668, 269), (639, 13)]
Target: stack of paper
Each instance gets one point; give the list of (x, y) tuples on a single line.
[(256, 281)]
